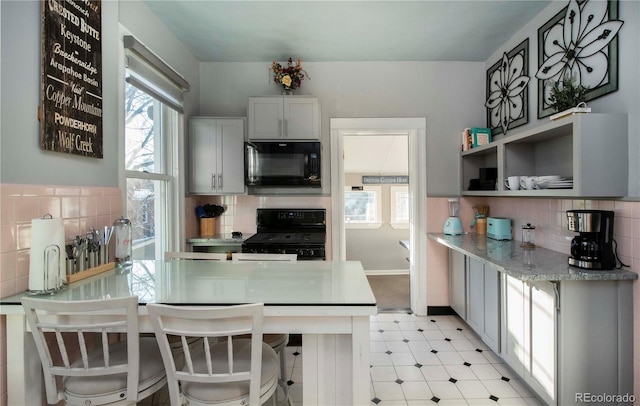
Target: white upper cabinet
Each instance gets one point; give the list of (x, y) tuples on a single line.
[(216, 155), (589, 149), (284, 117)]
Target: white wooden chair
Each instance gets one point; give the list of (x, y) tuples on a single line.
[(211, 256), (224, 370), (277, 341), (120, 372), (245, 256)]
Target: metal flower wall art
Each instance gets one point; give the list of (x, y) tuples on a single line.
[(580, 42), (507, 90)]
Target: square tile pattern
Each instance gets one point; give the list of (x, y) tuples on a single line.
[(415, 361)]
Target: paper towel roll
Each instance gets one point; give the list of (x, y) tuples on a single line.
[(47, 265)]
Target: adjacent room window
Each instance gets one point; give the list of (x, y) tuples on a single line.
[(363, 208), (399, 199)]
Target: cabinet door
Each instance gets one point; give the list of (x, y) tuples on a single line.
[(202, 155), (541, 334), (301, 118), (266, 118), (492, 308), (458, 283), (513, 338), (230, 160), (475, 315)]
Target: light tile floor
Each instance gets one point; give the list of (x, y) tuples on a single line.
[(429, 360)]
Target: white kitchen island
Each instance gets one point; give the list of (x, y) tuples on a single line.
[(329, 303)]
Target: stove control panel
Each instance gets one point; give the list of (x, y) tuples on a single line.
[(306, 253)]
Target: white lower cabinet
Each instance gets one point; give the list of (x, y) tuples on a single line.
[(458, 283), (484, 302), (540, 340), (568, 340), (514, 297), (529, 334)]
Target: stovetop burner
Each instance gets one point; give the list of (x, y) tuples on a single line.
[(287, 238)]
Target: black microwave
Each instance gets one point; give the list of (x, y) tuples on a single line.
[(282, 164)]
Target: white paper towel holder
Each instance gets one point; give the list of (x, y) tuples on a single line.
[(51, 250)]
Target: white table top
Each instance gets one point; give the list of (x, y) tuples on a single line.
[(302, 283)]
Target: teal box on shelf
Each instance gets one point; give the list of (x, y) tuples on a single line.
[(479, 136)]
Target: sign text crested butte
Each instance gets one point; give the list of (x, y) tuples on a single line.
[(71, 85)]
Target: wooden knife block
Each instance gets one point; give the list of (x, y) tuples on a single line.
[(207, 227)]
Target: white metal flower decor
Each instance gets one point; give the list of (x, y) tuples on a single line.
[(579, 42), (507, 90)]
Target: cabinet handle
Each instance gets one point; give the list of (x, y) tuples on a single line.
[(213, 181), (220, 181), (280, 127), (286, 128)]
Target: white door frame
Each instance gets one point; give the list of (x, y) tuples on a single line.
[(416, 130)]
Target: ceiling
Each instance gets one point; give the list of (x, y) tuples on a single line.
[(376, 154), (327, 31)]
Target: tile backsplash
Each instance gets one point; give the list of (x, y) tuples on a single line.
[(240, 212), (79, 207)]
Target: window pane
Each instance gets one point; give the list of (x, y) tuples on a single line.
[(402, 207), (141, 203), (142, 135), (360, 207)]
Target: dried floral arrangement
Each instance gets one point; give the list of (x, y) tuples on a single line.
[(289, 77)]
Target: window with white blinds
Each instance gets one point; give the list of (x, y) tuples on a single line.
[(149, 73), (153, 121)]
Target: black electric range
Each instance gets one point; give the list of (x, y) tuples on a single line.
[(289, 231)]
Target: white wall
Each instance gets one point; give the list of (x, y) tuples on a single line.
[(22, 160), (449, 94), (625, 100)]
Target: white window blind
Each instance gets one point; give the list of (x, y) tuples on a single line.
[(149, 73)]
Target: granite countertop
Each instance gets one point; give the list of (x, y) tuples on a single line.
[(508, 257)]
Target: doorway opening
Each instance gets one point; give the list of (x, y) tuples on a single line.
[(376, 214), (344, 131)]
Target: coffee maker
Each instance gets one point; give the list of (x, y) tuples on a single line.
[(593, 248)]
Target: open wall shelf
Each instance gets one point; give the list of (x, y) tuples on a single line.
[(589, 148)]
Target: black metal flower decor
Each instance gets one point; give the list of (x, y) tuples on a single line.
[(579, 42), (507, 90)]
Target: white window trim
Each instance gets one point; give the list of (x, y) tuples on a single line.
[(393, 191)]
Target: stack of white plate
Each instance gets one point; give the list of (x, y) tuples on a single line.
[(552, 182)]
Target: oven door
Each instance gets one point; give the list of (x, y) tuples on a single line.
[(282, 164)]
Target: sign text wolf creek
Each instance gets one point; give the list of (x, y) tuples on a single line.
[(71, 83)]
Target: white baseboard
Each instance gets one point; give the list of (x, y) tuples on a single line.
[(386, 272)]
